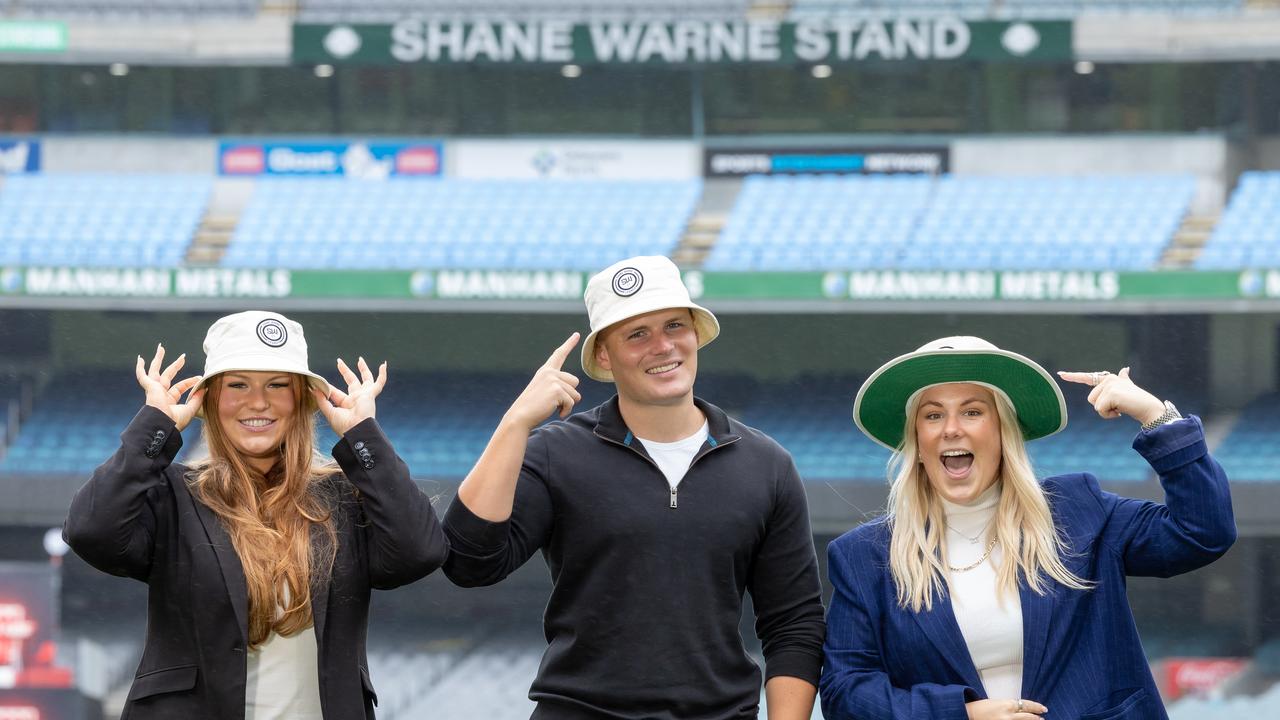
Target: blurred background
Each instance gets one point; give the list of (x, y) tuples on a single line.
[(1092, 183)]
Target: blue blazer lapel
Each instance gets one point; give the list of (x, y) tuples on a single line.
[(1036, 613), (229, 562), (940, 626)]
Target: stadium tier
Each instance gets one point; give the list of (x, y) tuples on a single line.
[(114, 220), (321, 223), (391, 10), (1250, 452), (1029, 9), (135, 9), (1248, 235), (951, 223), (441, 421)]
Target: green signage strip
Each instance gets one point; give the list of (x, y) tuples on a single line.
[(33, 36), (820, 40), (846, 287)]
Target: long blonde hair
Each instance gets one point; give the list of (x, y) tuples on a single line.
[(281, 522), (1023, 526)]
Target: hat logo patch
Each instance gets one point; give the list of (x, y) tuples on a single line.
[(627, 282), (272, 333)]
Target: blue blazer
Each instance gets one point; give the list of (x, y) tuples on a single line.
[(1081, 654)]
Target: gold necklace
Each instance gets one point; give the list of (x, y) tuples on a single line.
[(978, 562)]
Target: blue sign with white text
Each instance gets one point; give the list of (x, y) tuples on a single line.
[(362, 160), (19, 156)]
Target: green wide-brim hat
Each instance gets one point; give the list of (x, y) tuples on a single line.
[(880, 409)]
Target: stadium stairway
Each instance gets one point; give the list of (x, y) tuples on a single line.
[(707, 222), (1188, 241), (227, 201)]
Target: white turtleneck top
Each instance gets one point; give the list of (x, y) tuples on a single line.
[(991, 626)]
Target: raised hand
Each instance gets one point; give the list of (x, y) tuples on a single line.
[(1116, 395), (345, 410), (550, 389), (162, 394), (1005, 709)]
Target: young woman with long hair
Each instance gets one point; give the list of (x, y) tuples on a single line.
[(984, 593), (260, 558)]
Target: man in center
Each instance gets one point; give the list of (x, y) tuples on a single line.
[(655, 512)]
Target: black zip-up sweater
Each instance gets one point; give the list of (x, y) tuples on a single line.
[(648, 584)]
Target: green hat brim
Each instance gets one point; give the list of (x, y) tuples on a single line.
[(880, 409)]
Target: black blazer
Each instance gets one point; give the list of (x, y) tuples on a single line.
[(136, 518)]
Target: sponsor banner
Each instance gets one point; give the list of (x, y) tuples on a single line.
[(32, 36), (360, 160), (574, 160), (27, 622), (992, 285), (737, 162), (1196, 676), (19, 156), (815, 40), (449, 284)]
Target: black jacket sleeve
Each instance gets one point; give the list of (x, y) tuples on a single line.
[(785, 588), (404, 539), (112, 520), (483, 552)]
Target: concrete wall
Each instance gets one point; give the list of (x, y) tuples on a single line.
[(1207, 157)]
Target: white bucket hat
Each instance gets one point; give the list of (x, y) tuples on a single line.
[(632, 287), (256, 340), (880, 408)]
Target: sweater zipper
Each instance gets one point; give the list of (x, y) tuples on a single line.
[(673, 504)]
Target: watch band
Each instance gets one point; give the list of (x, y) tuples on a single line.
[(1169, 415)]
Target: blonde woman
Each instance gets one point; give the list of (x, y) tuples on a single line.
[(984, 593), (259, 559)]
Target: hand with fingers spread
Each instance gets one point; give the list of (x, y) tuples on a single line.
[(163, 394), (1116, 395), (1005, 710), (551, 389), (345, 410)]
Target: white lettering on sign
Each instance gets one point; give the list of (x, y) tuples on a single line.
[(499, 285), (1054, 285)]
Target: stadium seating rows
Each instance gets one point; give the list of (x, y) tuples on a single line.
[(1250, 452), (132, 9), (1248, 235), (392, 10), (120, 220), (320, 223), (1027, 9), (953, 222), (78, 418), (777, 223)]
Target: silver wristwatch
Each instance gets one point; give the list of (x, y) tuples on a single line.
[(1169, 415)]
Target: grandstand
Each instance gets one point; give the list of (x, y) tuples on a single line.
[(324, 223), (1249, 233), (1114, 204), (100, 220)]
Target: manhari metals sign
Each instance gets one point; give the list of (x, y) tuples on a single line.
[(843, 288), (818, 40)]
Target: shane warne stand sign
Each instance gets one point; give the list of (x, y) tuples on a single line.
[(816, 40)]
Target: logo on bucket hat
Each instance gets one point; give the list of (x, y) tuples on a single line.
[(627, 282), (272, 333), (614, 294)]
